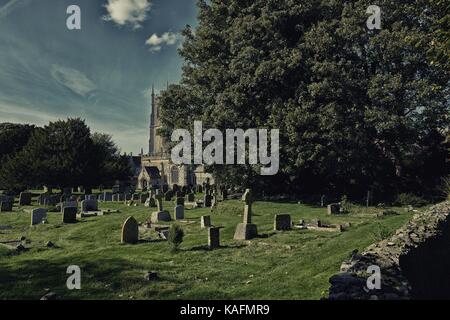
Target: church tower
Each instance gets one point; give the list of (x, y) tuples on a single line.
[(156, 143)]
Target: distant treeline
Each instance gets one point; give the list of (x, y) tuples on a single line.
[(62, 154)]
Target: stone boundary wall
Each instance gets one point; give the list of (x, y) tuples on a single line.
[(414, 262)]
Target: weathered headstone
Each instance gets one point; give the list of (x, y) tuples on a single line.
[(205, 222), (143, 197), (69, 214), (107, 196), (179, 212), (168, 195), (282, 222), (25, 199), (130, 231), (213, 238), (179, 201), (38, 215), (67, 204), (6, 206), (207, 200), (246, 230), (91, 197), (191, 197), (334, 208), (89, 205)]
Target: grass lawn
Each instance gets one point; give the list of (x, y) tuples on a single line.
[(282, 265)]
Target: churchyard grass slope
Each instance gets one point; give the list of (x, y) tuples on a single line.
[(277, 265)]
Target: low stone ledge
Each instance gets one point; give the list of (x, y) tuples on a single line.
[(412, 249)]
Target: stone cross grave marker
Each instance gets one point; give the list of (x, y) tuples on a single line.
[(248, 199)]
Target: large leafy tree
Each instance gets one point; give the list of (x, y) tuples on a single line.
[(64, 154), (355, 106), (13, 137)]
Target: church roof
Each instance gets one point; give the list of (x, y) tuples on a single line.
[(153, 172)]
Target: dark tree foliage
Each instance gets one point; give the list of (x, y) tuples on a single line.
[(358, 109), (13, 137), (63, 154)]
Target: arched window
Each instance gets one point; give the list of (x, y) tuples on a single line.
[(174, 175)]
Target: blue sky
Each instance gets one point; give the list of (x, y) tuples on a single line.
[(101, 73)]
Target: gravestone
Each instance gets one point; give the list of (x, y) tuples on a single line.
[(135, 197), (207, 199), (282, 222), (205, 222), (199, 188), (118, 197), (89, 205), (168, 195), (43, 198), (38, 215), (213, 238), (52, 200), (130, 231), (107, 196), (6, 206), (143, 198), (68, 204), (334, 208), (160, 215), (25, 199), (69, 214), (246, 230), (179, 201), (91, 197), (179, 212), (191, 197)]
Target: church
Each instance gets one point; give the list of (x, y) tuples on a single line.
[(157, 169)]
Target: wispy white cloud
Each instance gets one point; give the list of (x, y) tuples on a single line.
[(123, 12), (10, 6), (157, 42), (73, 79)]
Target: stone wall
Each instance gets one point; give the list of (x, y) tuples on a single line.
[(414, 263)]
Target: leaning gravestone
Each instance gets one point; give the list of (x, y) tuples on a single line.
[(130, 231), (205, 222), (213, 238), (69, 214), (25, 199), (282, 222), (246, 230), (89, 205), (161, 214), (179, 212), (38, 215)]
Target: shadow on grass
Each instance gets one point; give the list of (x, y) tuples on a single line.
[(206, 248), (31, 279)]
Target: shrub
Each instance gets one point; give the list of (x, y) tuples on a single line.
[(380, 233), (176, 235), (409, 199)]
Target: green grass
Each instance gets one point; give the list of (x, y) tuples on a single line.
[(282, 265)]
